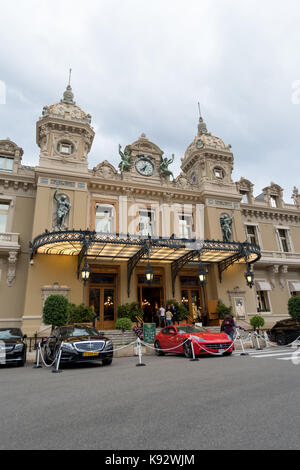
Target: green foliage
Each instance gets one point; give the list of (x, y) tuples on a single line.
[(80, 314), (223, 310), (123, 324), (56, 310), (130, 310), (294, 306), (182, 311), (257, 322)]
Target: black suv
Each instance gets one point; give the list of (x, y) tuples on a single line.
[(79, 344), (12, 346), (285, 331)]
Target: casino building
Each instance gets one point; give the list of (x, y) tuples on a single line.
[(61, 220)]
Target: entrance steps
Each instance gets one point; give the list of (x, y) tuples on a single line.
[(119, 338)]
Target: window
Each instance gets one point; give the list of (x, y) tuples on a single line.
[(219, 173), (194, 178), (245, 199), (4, 208), (6, 164), (104, 221), (284, 240), (251, 234), (185, 226), (146, 222), (65, 147), (274, 201), (263, 301)]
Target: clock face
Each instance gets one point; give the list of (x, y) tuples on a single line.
[(144, 166), (199, 144)]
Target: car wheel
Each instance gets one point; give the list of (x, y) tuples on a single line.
[(281, 340), (187, 349), (227, 353), (157, 347), (106, 362)]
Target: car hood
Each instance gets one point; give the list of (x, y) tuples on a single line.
[(12, 341), (78, 339), (209, 337)]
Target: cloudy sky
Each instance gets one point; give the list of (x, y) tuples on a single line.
[(142, 66)]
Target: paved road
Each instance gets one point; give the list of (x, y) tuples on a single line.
[(172, 403)]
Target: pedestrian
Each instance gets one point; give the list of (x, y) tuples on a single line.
[(199, 315), (228, 325), (169, 316), (162, 313)]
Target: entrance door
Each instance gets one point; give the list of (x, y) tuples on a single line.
[(102, 298), (150, 299)]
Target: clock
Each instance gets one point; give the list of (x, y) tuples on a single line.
[(199, 144), (144, 166)]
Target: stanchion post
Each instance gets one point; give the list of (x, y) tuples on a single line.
[(139, 347), (57, 370), (37, 358), (267, 339), (241, 342), (194, 358), (257, 342)]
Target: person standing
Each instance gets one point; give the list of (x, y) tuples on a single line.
[(162, 313), (228, 325), (169, 316)]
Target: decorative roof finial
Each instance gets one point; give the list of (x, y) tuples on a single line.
[(202, 129), (68, 94)]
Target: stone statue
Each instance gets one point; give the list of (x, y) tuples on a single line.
[(164, 163), (62, 209), (226, 226), (126, 162)]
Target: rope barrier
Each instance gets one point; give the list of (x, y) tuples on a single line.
[(163, 350)]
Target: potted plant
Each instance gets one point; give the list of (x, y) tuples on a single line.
[(294, 306), (223, 310), (56, 310), (257, 322)]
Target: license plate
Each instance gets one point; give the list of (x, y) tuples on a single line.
[(221, 351), (89, 354)]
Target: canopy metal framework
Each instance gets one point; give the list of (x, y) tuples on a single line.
[(134, 248)]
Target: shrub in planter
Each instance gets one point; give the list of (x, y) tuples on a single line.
[(130, 310), (56, 310), (80, 314), (257, 322), (294, 306), (223, 310), (123, 324)]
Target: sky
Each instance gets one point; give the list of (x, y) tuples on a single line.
[(140, 66)]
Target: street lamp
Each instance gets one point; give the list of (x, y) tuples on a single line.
[(85, 272), (202, 275), (149, 274), (249, 275)]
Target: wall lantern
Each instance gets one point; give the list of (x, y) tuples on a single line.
[(249, 276), (202, 275), (149, 274), (85, 272)]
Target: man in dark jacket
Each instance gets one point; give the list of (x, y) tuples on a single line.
[(228, 325)]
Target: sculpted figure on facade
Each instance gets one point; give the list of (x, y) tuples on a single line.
[(62, 210), (226, 226), (126, 160), (105, 170), (164, 164)]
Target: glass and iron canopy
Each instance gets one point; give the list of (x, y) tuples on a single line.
[(91, 245)]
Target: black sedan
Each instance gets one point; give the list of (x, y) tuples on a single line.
[(285, 331), (12, 346), (78, 343)]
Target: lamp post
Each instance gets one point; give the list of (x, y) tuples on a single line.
[(202, 275), (149, 274), (85, 272), (249, 276)]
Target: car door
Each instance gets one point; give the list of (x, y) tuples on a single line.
[(170, 338)]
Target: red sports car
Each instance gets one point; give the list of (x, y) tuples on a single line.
[(180, 338)]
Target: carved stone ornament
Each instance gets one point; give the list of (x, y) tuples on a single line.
[(11, 271), (105, 170), (181, 182)]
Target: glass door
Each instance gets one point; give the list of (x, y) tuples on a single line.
[(102, 299)]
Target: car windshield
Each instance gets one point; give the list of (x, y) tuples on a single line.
[(10, 333), (70, 331), (182, 329)]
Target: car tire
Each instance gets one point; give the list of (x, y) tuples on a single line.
[(227, 353), (187, 350), (157, 349), (281, 339), (106, 362)]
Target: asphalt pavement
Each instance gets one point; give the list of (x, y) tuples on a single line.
[(172, 403)]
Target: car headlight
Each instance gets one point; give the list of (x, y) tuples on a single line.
[(229, 337), (19, 347), (67, 347), (108, 346)]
